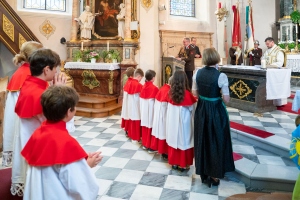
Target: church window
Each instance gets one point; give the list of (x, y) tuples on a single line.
[(184, 8), (49, 5)]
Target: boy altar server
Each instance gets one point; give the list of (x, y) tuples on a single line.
[(43, 63), (133, 101), (147, 99), (58, 168), (159, 120), (124, 113)]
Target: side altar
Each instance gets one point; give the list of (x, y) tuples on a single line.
[(247, 88)]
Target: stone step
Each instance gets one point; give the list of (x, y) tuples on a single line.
[(98, 112), (96, 102), (261, 196)]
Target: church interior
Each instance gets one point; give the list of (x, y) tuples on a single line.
[(98, 40)]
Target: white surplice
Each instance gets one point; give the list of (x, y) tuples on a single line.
[(180, 126), (65, 182), (133, 102), (159, 120), (124, 112), (146, 110)]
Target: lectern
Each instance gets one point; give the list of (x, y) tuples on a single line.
[(170, 65)]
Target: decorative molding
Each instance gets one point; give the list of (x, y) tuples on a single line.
[(47, 29), (89, 79), (21, 40), (147, 4), (8, 28)]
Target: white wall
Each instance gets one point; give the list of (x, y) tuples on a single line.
[(61, 21)]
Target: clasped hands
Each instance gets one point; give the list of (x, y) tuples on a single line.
[(94, 159)]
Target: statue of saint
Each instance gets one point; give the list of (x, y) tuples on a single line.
[(86, 21), (121, 21)]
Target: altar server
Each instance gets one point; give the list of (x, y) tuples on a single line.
[(158, 140), (133, 101), (13, 91), (147, 99), (124, 113), (43, 64), (180, 125), (58, 168)]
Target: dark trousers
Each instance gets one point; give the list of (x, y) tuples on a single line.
[(189, 75)]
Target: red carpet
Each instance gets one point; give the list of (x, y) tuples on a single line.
[(236, 156), (287, 108), (250, 130), (5, 182)]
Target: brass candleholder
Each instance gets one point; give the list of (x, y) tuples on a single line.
[(221, 13)]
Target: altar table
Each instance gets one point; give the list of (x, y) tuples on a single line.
[(247, 88), (95, 79)]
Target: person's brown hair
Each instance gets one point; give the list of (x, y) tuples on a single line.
[(42, 58), (129, 72), (138, 71), (210, 57), (57, 100), (26, 50), (179, 84), (150, 74)]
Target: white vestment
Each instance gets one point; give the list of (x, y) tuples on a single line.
[(146, 108), (124, 112), (159, 120), (133, 102), (275, 57), (65, 182), (180, 126), (11, 119)]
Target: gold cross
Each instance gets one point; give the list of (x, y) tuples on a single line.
[(241, 89)]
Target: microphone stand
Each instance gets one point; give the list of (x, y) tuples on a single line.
[(162, 56)]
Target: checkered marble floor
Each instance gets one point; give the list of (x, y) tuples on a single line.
[(129, 172)]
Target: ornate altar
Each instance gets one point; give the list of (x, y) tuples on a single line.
[(95, 79), (170, 65)]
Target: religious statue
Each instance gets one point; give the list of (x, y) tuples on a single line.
[(86, 22), (121, 21)]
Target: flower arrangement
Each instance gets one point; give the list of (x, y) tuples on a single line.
[(94, 54), (291, 44), (89, 54)]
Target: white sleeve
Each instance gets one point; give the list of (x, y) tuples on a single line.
[(280, 59), (223, 84), (78, 180), (194, 86)]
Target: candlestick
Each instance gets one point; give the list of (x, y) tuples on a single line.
[(81, 46), (220, 5), (107, 45)]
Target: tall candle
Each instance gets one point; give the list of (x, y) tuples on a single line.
[(220, 5), (81, 46), (263, 64), (296, 28), (107, 45)]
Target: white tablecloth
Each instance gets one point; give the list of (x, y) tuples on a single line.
[(278, 83), (95, 66)]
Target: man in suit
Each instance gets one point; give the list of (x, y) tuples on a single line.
[(255, 54), (197, 50), (187, 54)]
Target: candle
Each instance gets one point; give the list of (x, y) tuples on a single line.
[(220, 5), (107, 45), (81, 46), (296, 28), (263, 64)]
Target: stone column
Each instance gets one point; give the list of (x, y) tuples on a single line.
[(75, 14), (127, 20)]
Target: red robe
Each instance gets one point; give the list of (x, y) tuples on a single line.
[(156, 143), (147, 96), (177, 156), (134, 123), (52, 144), (29, 101), (18, 78)]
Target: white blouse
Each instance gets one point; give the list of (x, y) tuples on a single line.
[(222, 83)]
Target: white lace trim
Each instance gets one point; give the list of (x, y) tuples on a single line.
[(17, 189), (7, 158)]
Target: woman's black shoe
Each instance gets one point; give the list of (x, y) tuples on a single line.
[(215, 181), (203, 178)]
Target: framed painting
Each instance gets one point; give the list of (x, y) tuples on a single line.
[(106, 23)]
